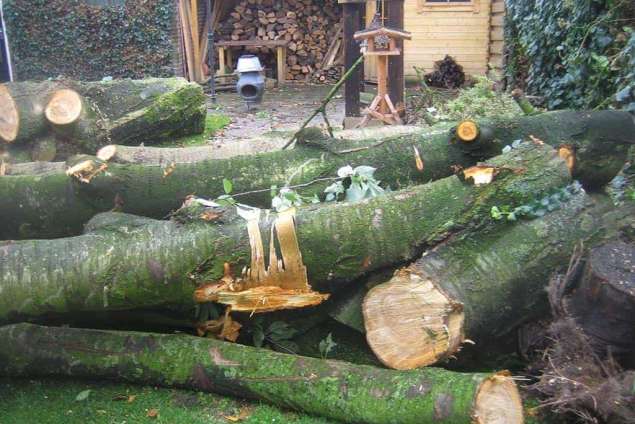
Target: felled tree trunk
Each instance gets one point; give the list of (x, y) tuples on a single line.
[(602, 301), (480, 286), (334, 389), (22, 110), (156, 190), (127, 262), (87, 115)]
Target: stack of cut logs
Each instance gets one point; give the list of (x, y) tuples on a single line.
[(312, 29)]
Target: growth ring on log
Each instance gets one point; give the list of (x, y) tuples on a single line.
[(9, 118), (410, 322), (64, 108), (467, 131), (498, 402)]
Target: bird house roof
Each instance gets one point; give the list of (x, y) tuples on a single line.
[(375, 32)]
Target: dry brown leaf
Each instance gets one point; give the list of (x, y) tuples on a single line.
[(131, 398), (242, 415), (169, 169), (153, 413), (209, 215)]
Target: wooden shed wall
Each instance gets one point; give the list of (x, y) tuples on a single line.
[(458, 30)]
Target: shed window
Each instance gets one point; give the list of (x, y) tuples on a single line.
[(449, 5)]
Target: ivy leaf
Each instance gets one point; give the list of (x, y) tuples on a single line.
[(83, 395), (326, 345), (227, 186)]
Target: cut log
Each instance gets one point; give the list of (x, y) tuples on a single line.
[(603, 301), (22, 110), (601, 137), (480, 287), (128, 262), (362, 393), (89, 115), (143, 155)]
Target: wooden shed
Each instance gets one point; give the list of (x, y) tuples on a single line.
[(471, 31)]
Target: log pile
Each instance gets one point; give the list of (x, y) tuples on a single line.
[(454, 259), (447, 74), (312, 28), (43, 121)]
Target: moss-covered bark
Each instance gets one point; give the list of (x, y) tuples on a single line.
[(334, 389), (126, 262), (498, 275), (22, 111), (55, 205), (119, 111)]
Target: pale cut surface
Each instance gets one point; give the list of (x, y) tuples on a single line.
[(467, 131), (9, 118), (65, 107), (498, 402), (411, 323)]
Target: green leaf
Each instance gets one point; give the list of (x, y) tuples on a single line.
[(83, 395), (227, 186), (326, 345), (354, 193)]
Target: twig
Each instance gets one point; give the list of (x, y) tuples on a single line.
[(322, 108)]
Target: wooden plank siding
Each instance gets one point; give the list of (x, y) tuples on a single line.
[(497, 37), (462, 31)]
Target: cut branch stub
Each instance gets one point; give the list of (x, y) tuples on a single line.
[(467, 131), (64, 108), (282, 285), (9, 117), (412, 297)]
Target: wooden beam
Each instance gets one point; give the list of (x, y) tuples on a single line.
[(396, 82), (282, 65), (352, 23)]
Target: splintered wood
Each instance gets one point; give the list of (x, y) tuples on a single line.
[(86, 170), (281, 285)]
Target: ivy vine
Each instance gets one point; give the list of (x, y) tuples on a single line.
[(575, 53), (88, 41)]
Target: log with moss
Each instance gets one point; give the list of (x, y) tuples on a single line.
[(127, 262), (481, 286), (84, 116), (55, 205), (334, 389)]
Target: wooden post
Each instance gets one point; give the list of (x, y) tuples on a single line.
[(352, 23), (221, 61), (282, 65), (396, 84)]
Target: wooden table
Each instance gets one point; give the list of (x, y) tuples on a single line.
[(225, 47)]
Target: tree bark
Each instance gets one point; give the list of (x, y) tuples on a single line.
[(127, 262), (22, 110), (334, 389), (602, 301), (56, 205), (480, 286), (89, 115)]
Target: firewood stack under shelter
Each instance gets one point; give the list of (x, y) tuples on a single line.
[(313, 29)]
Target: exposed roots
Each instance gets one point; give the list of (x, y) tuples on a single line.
[(574, 381)]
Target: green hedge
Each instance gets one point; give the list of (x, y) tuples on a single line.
[(91, 39), (575, 53)]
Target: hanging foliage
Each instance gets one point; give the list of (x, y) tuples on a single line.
[(89, 39), (578, 54)]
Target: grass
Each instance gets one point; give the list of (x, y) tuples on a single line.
[(50, 401), (214, 122)]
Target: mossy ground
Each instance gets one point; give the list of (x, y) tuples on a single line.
[(214, 122), (54, 401)]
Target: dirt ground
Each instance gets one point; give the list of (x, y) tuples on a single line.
[(282, 109)]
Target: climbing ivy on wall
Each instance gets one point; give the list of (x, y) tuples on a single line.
[(88, 39), (575, 53)]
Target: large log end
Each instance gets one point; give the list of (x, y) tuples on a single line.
[(498, 402), (64, 108), (9, 118), (410, 322)]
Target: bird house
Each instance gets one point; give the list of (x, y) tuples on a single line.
[(381, 41)]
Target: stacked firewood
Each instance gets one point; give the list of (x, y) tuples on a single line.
[(311, 28)]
